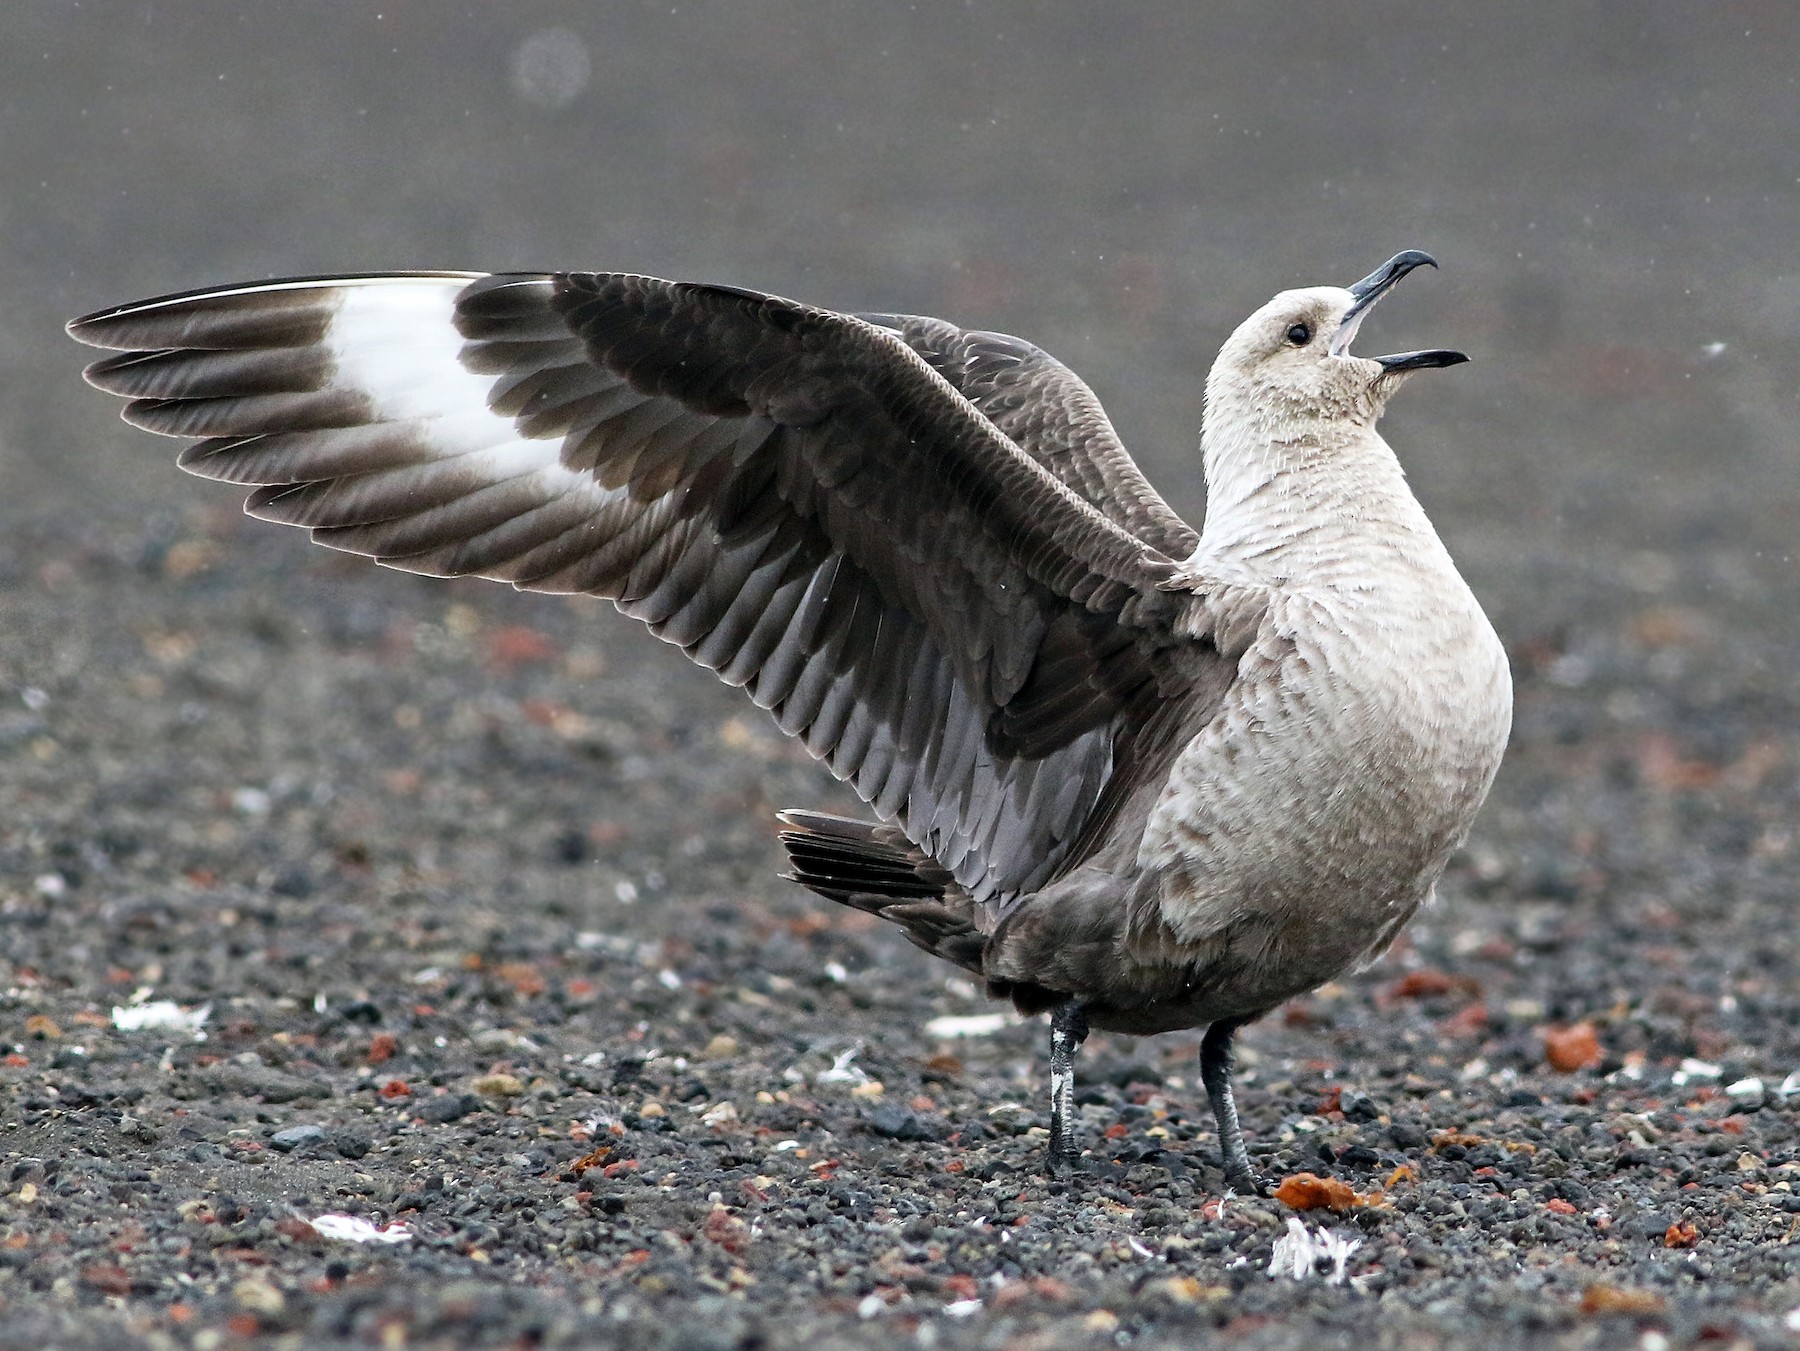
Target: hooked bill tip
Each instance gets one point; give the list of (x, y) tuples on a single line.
[(1391, 271)]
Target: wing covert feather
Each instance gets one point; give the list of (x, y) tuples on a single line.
[(1050, 413)]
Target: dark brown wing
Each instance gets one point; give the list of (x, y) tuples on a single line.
[(792, 496), (1048, 412)]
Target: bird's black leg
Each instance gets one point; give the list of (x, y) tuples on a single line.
[(1215, 1073), (1068, 1029)]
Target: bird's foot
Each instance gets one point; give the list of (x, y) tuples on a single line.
[(1061, 1165), (1243, 1182)]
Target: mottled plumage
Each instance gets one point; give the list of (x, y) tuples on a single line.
[(1146, 777)]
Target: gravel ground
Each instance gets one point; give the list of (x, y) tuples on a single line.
[(476, 890)]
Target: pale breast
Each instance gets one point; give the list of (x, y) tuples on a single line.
[(1307, 822)]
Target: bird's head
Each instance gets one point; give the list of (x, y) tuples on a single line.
[(1291, 360)]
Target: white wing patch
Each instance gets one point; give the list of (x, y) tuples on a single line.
[(398, 346)]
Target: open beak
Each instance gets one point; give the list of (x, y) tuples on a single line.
[(1371, 289)]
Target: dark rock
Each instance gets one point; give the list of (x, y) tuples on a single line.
[(292, 883), (899, 1122), (450, 1107), (350, 1144)]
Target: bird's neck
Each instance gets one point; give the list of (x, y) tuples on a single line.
[(1302, 499)]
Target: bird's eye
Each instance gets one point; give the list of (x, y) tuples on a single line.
[(1300, 334)]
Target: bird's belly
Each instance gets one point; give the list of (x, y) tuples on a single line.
[(1306, 824)]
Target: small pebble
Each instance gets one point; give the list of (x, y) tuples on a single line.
[(294, 1136), (498, 1085)]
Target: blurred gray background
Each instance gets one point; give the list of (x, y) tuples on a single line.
[(1613, 187)]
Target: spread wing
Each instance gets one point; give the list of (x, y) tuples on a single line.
[(1048, 411), (794, 497)]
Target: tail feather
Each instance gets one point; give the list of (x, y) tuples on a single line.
[(875, 868)]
